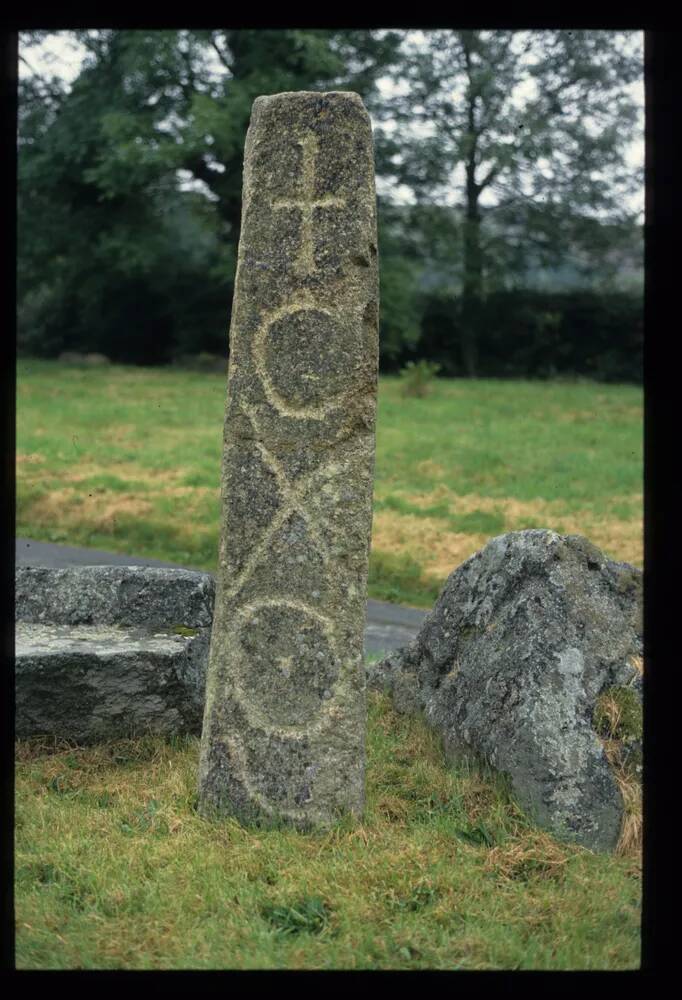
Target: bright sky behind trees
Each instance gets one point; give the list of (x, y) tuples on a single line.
[(61, 55)]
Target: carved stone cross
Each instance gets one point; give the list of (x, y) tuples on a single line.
[(307, 203), (284, 725)]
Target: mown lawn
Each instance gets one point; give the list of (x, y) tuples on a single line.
[(116, 870), (127, 459)]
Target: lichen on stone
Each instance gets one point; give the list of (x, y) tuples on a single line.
[(538, 630)]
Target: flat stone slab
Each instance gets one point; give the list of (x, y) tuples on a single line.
[(89, 683), (141, 668), (109, 595)]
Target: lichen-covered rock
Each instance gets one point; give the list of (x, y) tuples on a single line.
[(142, 596), (104, 652), (511, 663)]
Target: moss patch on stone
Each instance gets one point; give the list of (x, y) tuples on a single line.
[(184, 630)]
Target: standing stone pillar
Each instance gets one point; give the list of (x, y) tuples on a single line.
[(284, 723)]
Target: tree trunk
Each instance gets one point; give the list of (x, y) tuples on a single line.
[(473, 265), (472, 291)]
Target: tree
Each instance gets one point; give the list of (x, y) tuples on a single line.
[(538, 122), (130, 182), (400, 271)]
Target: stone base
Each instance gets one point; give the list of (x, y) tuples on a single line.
[(111, 652), (96, 682)]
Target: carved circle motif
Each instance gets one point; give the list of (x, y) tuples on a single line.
[(286, 665), (301, 354)]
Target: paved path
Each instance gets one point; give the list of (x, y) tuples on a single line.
[(389, 626)]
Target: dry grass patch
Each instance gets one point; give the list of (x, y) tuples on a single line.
[(618, 723), (630, 787), (119, 433), (87, 472), (429, 540), (99, 511), (638, 663), (430, 468), (619, 539), (193, 493), (439, 549), (537, 856), (621, 411), (630, 840), (98, 507)]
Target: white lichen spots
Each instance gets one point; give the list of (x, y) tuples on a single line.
[(91, 640), (571, 661), (553, 710)]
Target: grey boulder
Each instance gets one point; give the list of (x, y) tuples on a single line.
[(509, 667)]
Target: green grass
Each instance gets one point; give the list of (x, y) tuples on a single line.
[(115, 869), (127, 459)]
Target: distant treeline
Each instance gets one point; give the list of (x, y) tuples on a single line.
[(523, 334), (538, 334), (130, 190)]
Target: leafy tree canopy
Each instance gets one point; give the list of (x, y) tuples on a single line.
[(533, 124), (511, 143), (108, 228)]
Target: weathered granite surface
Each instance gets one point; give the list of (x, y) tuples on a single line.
[(283, 734), (510, 664), (104, 652), (114, 595)]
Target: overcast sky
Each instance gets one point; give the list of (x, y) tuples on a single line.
[(62, 56)]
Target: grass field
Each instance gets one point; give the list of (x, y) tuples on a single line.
[(115, 869), (127, 459)]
